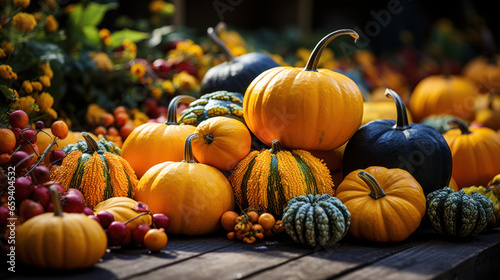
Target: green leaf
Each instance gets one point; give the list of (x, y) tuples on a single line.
[(91, 34), (92, 14), (134, 36), (7, 93)]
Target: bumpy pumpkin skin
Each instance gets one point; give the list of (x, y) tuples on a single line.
[(316, 220), (475, 153), (122, 209), (310, 109), (193, 195), (153, 143), (435, 95), (457, 214), (391, 218), (416, 148)]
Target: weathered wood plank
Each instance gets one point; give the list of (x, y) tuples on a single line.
[(440, 258), (232, 262)]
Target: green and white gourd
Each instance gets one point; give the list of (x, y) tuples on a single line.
[(457, 214), (219, 103), (102, 144), (316, 220)]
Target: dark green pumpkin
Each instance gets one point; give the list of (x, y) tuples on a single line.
[(419, 149), (215, 104), (457, 214), (102, 144), (316, 220), (440, 122), (236, 73)]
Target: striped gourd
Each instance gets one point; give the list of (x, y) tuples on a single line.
[(98, 175), (457, 214), (268, 179)]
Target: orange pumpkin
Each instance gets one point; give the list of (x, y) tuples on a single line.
[(475, 153), (153, 143), (122, 209), (386, 205), (311, 109), (438, 94), (381, 110), (193, 195), (222, 142), (488, 110), (45, 138), (485, 72)]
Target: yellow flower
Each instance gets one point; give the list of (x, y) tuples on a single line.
[(105, 36), (2, 53), (46, 70), (8, 47), (7, 73), (22, 3), (140, 118), (195, 50), (156, 93), (24, 22), (138, 70), (185, 81), (45, 80), (238, 50), (15, 95), (52, 24), (130, 47), (26, 103), (38, 16), (37, 86), (52, 113), (44, 101), (26, 86), (156, 6), (102, 61), (168, 87)]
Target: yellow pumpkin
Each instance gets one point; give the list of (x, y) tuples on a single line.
[(60, 240), (193, 195), (122, 209), (438, 94), (153, 143), (309, 108), (222, 142)]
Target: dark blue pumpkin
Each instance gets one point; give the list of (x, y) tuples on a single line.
[(235, 74), (417, 148)]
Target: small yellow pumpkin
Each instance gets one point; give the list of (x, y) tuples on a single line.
[(123, 209)]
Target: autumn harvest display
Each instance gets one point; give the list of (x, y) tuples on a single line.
[(129, 139)]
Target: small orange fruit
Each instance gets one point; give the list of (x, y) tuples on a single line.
[(227, 220), (155, 239), (8, 140)]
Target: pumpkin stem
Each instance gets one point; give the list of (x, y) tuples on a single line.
[(312, 62), (402, 116), (54, 194), (376, 191), (216, 40), (209, 138), (276, 147), (464, 128), (188, 149), (91, 143), (172, 107)]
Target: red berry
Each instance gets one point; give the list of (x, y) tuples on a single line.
[(88, 211), (4, 215), (94, 218), (41, 174), (41, 195), (117, 231), (20, 159), (139, 232), (39, 125), (161, 220), (29, 209), (105, 218), (72, 203), (23, 188), (18, 118), (56, 156)]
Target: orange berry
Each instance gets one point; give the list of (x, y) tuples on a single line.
[(7, 140), (59, 129), (121, 118), (112, 131), (253, 215), (227, 220), (119, 109), (100, 130), (155, 239), (107, 119)]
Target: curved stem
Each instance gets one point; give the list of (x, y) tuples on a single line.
[(172, 107), (208, 138), (54, 194), (91, 143), (138, 216), (312, 62), (402, 116), (216, 40), (276, 147), (464, 128), (376, 191), (188, 149)]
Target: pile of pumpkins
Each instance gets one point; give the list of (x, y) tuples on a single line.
[(196, 167)]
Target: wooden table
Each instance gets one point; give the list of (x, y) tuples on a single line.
[(425, 255)]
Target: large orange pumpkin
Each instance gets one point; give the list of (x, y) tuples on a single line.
[(311, 109), (475, 153), (193, 195), (222, 142), (386, 205), (438, 94), (153, 143)]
